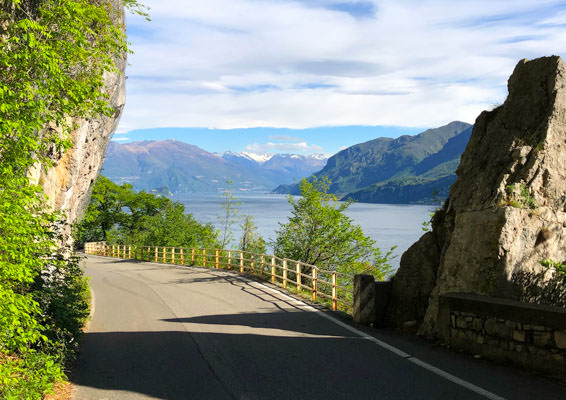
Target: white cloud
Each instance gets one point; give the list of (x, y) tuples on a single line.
[(119, 139), (297, 64), (284, 138), (295, 147)]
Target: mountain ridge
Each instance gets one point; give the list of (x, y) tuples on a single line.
[(181, 167), (400, 170)]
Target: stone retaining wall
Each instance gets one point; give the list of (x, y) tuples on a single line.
[(527, 334)]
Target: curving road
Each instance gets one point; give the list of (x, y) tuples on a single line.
[(166, 332)]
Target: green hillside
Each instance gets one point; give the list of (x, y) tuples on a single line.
[(408, 169)]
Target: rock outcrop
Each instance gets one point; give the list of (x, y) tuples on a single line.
[(507, 209), (68, 184)]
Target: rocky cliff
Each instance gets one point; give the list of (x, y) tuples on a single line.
[(68, 183), (507, 209)]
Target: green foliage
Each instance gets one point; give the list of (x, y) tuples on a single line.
[(544, 287), (28, 376), (520, 197), (117, 214), (53, 56), (527, 198), (319, 233), (556, 265), (251, 241)]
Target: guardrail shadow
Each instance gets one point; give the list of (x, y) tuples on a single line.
[(295, 321)]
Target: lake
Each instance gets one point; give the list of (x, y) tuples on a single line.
[(388, 224)]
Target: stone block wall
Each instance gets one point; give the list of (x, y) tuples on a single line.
[(530, 335)]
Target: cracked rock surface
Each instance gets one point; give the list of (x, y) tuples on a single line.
[(68, 184), (507, 209)]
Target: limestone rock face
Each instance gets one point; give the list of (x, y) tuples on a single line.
[(68, 184), (507, 209)]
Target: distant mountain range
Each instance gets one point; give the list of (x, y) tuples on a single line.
[(409, 169), (177, 167)]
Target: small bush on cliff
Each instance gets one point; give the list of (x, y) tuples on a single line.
[(53, 55), (545, 287), (521, 197)]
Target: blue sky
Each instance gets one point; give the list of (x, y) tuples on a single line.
[(230, 65), (322, 140)]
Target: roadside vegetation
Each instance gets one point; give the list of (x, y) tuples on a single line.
[(544, 287), (319, 233), (53, 54), (118, 215)]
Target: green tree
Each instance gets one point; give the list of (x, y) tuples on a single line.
[(229, 217), (173, 227), (117, 214), (320, 233), (251, 240)]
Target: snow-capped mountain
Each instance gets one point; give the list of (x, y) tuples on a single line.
[(182, 168), (259, 158)]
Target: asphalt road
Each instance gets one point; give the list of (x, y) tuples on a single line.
[(165, 332)]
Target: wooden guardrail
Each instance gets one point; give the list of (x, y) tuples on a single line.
[(326, 286)]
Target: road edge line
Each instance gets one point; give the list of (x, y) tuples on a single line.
[(431, 368)]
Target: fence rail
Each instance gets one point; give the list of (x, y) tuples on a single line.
[(325, 286)]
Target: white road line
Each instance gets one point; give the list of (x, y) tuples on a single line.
[(455, 379), (446, 375)]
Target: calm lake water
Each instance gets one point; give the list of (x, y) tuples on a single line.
[(389, 225)]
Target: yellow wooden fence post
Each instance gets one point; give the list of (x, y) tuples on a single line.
[(129, 251), (262, 264), (314, 288), (182, 256), (298, 272), (252, 263), (241, 261), (204, 257), (156, 254), (334, 292), (229, 259), (285, 273), (273, 269), (217, 259), (193, 256), (173, 250)]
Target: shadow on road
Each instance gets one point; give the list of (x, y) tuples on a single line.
[(189, 365), (301, 322)]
